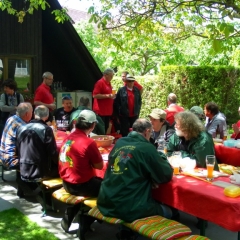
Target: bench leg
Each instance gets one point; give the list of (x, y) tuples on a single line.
[(85, 222)]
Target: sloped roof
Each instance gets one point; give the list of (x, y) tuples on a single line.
[(77, 15), (64, 50)]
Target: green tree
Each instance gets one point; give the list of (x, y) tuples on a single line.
[(215, 20), (30, 6)]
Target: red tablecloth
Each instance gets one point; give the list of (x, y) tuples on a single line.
[(202, 200), (227, 155)]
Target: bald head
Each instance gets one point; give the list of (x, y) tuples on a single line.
[(172, 98)]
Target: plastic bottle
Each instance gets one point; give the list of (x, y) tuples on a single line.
[(161, 145)]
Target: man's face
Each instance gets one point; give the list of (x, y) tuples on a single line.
[(129, 84), (124, 77), (207, 112), (155, 123), (29, 115), (48, 80), (67, 105), (179, 132), (109, 76)]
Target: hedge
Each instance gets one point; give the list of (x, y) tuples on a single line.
[(193, 85)]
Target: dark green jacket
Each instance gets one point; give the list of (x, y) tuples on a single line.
[(198, 148), (99, 128), (126, 191)]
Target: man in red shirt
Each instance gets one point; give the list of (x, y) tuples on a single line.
[(103, 97), (173, 108), (43, 95), (136, 84), (78, 158)]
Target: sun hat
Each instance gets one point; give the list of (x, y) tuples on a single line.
[(130, 78), (88, 115), (158, 113)]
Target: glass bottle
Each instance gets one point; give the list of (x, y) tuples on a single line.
[(162, 145), (54, 125)]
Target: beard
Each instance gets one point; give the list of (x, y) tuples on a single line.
[(179, 133)]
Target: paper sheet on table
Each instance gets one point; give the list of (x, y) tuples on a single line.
[(105, 157), (222, 184)]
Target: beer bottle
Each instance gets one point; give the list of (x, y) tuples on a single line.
[(218, 136), (54, 125)]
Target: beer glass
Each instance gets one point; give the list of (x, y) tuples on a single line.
[(210, 161)]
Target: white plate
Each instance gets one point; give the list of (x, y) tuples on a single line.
[(217, 140)]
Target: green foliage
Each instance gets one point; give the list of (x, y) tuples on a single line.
[(193, 86)]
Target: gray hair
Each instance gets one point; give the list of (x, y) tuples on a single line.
[(141, 125), (41, 112), (108, 71), (172, 98), (23, 108), (47, 74), (84, 101), (189, 123)]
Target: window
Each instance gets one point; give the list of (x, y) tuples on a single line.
[(17, 68)]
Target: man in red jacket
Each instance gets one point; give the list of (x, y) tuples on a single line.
[(173, 108)]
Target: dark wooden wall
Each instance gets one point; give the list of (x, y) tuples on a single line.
[(23, 39)]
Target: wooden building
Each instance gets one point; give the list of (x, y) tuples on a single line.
[(42, 44)]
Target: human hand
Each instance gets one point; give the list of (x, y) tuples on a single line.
[(235, 128), (154, 185), (235, 178)]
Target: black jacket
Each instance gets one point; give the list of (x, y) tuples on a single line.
[(121, 102), (36, 148)]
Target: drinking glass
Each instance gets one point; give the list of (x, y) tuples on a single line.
[(177, 157), (210, 161)]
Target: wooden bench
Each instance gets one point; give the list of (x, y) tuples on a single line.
[(153, 227)]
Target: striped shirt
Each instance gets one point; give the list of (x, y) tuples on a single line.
[(8, 152)]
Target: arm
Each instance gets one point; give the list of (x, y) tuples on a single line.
[(50, 106), (141, 91), (98, 165), (4, 107), (103, 96)]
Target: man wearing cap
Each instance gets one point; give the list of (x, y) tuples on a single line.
[(103, 97), (198, 111), (136, 84), (78, 158), (173, 108), (127, 105), (161, 127)]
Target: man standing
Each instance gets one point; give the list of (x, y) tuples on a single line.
[(173, 108), (43, 95), (37, 148), (215, 121), (127, 105), (62, 115), (136, 84), (134, 166), (103, 97)]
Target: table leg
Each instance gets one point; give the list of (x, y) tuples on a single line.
[(238, 235), (203, 226)]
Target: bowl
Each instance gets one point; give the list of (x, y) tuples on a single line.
[(103, 140), (230, 143)]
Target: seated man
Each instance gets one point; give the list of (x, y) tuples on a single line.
[(191, 139), (62, 115), (134, 166), (84, 105), (8, 151), (37, 149), (78, 158), (160, 126), (215, 121), (198, 111)]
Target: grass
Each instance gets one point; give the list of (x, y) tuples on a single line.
[(14, 226)]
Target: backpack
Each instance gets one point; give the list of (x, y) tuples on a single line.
[(5, 115)]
